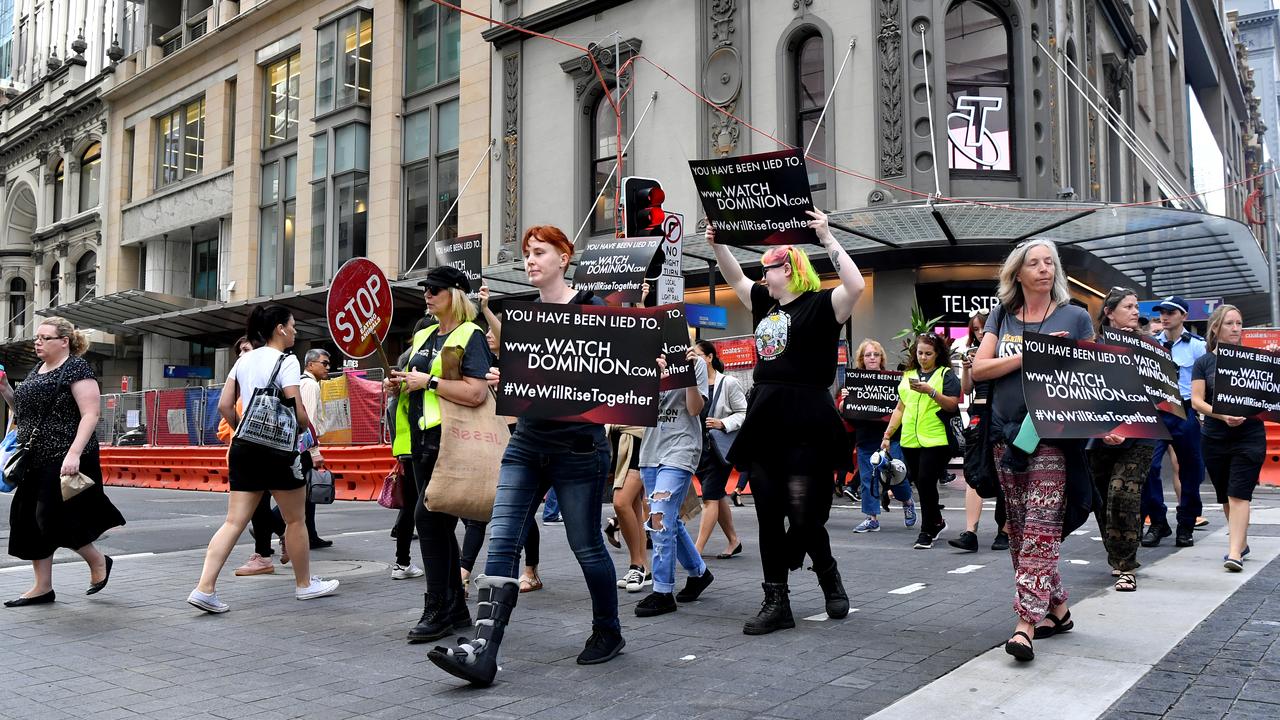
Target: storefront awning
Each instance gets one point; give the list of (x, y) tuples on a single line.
[(218, 324), (1174, 252), (109, 313)]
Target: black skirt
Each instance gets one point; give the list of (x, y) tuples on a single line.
[(254, 468), (796, 427), (40, 522)]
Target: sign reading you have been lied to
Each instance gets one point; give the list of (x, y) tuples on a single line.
[(756, 199), (589, 363), (614, 268), (1156, 367), (1081, 389), (873, 395), (1247, 383), (463, 253)]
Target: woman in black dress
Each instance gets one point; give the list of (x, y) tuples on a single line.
[(58, 402), (792, 439)]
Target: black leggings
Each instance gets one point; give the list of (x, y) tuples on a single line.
[(267, 521), (473, 536), (925, 467), (792, 510)]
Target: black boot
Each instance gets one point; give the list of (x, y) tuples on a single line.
[(452, 614), (432, 604), (833, 589), (775, 611), (476, 660)]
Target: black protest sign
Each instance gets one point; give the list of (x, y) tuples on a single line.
[(873, 394), (1245, 384), (675, 345), (756, 199), (587, 363), (1082, 389), (614, 268), (463, 253), (1156, 367)]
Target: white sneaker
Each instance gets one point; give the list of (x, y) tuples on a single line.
[(637, 579), (317, 588), (403, 572), (207, 602)]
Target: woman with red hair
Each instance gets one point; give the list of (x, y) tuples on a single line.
[(572, 458), (792, 439)]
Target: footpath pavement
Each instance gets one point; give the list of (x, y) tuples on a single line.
[(921, 619)]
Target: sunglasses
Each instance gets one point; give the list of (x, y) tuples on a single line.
[(433, 290), (767, 268)]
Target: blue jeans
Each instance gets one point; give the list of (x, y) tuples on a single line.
[(578, 479), (1186, 447), (666, 488), (871, 485), (551, 507)]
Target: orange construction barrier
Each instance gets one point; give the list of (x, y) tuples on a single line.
[(358, 470), (1271, 464)]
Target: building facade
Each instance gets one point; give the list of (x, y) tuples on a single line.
[(1080, 101), (262, 145), (55, 60)]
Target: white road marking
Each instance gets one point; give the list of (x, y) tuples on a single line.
[(908, 589), (1078, 562), (965, 570)]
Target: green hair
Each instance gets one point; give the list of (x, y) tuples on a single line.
[(803, 277)]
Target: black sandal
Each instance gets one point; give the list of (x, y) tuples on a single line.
[(1060, 625), (1021, 652), (1126, 582)]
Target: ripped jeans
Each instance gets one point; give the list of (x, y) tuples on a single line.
[(666, 488)]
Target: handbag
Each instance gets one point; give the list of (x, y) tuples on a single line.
[(979, 456), (73, 485), (269, 419), (320, 490), (464, 481), (7, 447), (392, 495), (954, 428)]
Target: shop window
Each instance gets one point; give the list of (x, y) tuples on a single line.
[(603, 155), (979, 89), (17, 307), (90, 176), (432, 45)]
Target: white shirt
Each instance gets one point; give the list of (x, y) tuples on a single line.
[(253, 371)]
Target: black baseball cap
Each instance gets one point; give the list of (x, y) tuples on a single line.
[(446, 276), (1174, 303)]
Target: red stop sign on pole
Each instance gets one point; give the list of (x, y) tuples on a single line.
[(359, 308)]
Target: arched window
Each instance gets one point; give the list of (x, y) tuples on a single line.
[(55, 284), (810, 83), (59, 181), (604, 153), (979, 89), (17, 306), (90, 176), (86, 277)]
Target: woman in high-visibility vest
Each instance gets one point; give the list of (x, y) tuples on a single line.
[(929, 390), (419, 387)]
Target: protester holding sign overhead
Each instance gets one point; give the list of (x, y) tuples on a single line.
[(792, 439), (1234, 447), (928, 393), (419, 386), (1119, 465), (1033, 473), (572, 457)]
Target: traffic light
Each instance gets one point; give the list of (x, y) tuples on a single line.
[(642, 206)]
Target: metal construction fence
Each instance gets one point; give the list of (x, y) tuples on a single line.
[(354, 404)]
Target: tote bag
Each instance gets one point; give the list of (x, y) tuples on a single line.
[(269, 420), (465, 479)]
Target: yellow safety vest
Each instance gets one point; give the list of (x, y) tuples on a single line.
[(460, 336), (921, 426)]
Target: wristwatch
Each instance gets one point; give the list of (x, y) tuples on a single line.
[(433, 383)]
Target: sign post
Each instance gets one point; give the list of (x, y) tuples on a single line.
[(359, 308), (671, 282)]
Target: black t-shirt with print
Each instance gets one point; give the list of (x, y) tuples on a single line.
[(796, 343), (475, 364)]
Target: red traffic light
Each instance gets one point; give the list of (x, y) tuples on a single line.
[(642, 204)]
